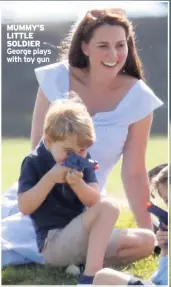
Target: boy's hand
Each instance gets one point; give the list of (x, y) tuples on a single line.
[(74, 177), (162, 238), (58, 173)]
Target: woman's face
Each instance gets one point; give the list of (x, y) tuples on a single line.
[(107, 49)]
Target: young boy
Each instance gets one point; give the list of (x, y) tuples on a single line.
[(56, 196), (108, 276)]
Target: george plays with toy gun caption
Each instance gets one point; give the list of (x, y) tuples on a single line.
[(78, 162), (160, 213)]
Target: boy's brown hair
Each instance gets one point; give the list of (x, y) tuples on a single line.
[(161, 177), (69, 117)]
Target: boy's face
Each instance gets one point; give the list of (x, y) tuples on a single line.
[(163, 192), (61, 149)]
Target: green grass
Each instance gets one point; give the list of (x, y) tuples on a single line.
[(46, 275), (13, 151)]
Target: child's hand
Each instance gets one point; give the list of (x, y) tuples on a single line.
[(58, 173), (162, 238), (74, 177)]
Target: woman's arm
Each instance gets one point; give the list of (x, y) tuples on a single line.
[(134, 174), (40, 109)]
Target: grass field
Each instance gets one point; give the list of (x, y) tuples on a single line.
[(13, 151)]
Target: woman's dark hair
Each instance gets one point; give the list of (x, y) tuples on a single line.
[(71, 47)]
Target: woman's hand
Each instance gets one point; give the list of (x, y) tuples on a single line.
[(74, 177)]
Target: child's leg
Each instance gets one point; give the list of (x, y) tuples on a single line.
[(99, 221), (109, 276), (66, 246), (87, 235)]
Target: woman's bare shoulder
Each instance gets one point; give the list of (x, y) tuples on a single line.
[(128, 80)]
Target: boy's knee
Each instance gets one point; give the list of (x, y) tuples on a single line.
[(109, 206), (97, 278), (104, 208), (104, 271)]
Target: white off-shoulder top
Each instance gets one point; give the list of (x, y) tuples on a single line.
[(111, 127)]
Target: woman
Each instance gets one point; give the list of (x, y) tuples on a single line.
[(104, 69)]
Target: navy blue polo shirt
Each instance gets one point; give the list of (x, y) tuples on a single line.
[(61, 204)]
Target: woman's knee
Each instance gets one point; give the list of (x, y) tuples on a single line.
[(147, 240), (140, 240), (144, 240)]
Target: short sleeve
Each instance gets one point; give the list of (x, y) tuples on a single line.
[(89, 174), (53, 80), (139, 103), (28, 175)]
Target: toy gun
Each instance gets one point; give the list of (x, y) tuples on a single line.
[(78, 162), (160, 213)]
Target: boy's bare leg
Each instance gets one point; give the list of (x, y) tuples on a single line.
[(99, 221), (109, 276)]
